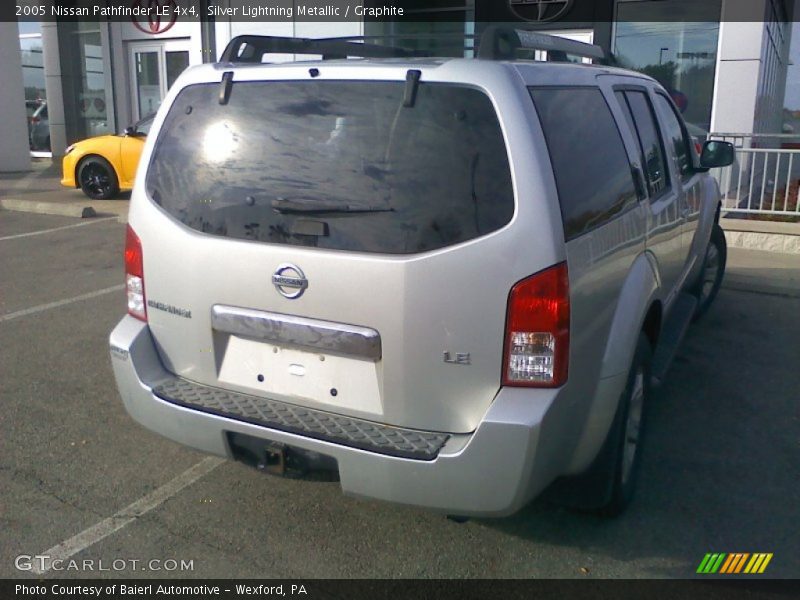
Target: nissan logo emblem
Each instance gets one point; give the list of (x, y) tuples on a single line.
[(290, 281)]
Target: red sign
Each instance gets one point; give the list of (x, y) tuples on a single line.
[(680, 99), (154, 23)]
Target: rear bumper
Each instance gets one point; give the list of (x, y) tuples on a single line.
[(492, 472)]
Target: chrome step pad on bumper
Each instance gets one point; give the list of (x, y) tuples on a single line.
[(321, 425)]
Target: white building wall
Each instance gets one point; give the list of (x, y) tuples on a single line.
[(751, 70), (774, 61), (738, 68)]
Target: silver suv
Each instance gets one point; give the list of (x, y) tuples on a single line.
[(448, 283)]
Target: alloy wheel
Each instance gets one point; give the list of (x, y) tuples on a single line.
[(633, 425), (95, 179)]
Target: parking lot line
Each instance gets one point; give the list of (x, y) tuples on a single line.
[(127, 515), (43, 231), (42, 307)]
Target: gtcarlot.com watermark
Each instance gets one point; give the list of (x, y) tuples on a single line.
[(39, 563)]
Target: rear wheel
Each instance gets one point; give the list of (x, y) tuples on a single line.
[(97, 178), (713, 271), (606, 488), (625, 437)]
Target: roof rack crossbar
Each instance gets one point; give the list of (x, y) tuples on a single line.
[(501, 43), (253, 48)]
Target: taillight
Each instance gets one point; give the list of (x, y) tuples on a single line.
[(537, 330), (134, 275)]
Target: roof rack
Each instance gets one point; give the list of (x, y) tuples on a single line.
[(501, 43), (497, 43), (253, 48)]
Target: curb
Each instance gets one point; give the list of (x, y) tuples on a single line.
[(767, 242), (83, 211), (767, 236)]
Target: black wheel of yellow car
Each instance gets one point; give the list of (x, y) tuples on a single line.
[(97, 178)]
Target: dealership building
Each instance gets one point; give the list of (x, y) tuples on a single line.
[(726, 74)]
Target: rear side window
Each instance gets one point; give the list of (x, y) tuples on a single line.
[(144, 125), (591, 167), (650, 144), (675, 137), (338, 165)]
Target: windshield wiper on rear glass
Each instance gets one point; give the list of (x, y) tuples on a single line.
[(308, 206)]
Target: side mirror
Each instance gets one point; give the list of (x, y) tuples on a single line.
[(716, 154), (130, 130)]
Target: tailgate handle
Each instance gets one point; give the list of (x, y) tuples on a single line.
[(299, 332)]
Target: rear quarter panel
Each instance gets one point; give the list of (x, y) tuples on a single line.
[(602, 263)]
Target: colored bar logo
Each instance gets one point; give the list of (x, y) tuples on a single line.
[(737, 562)]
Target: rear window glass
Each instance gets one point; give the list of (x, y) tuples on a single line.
[(339, 165)]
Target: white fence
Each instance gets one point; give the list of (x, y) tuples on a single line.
[(765, 176)]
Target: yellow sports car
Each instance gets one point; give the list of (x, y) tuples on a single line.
[(105, 165)]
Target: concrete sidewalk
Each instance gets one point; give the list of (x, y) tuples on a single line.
[(40, 191), (763, 272)]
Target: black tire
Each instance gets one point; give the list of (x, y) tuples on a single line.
[(712, 273), (624, 441), (97, 178), (607, 487)]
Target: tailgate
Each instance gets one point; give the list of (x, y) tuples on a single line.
[(331, 245)]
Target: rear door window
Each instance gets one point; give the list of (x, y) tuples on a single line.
[(338, 165), (590, 164), (626, 110)]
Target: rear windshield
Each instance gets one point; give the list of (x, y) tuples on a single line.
[(339, 165)]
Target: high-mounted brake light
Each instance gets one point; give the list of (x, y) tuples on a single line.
[(536, 350), (134, 275)]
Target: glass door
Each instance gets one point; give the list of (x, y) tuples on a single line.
[(147, 80), (176, 63), (155, 67)]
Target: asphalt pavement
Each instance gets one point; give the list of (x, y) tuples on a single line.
[(719, 474)]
